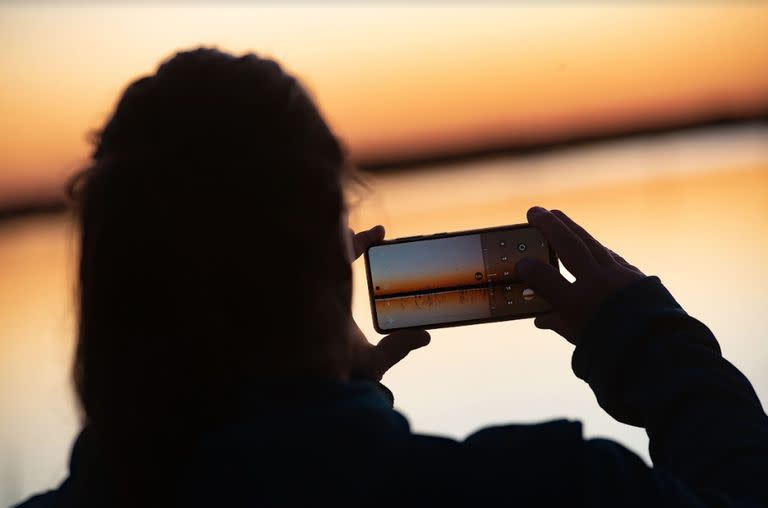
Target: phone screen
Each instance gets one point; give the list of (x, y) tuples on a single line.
[(452, 279)]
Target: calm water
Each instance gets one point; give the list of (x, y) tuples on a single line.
[(430, 308), (690, 208), (458, 305)]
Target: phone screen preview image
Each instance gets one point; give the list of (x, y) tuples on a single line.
[(459, 278)]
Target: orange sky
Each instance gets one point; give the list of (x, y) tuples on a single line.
[(391, 80)]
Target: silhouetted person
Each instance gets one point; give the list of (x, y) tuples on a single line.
[(217, 362)]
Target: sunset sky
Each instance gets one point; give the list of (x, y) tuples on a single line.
[(394, 81), (431, 264)]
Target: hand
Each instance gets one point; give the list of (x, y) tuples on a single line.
[(372, 361), (599, 273)]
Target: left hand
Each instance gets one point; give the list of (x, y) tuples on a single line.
[(372, 361)]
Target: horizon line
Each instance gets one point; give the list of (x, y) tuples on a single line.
[(51, 206)]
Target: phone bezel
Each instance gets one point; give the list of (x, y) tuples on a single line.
[(552, 260)]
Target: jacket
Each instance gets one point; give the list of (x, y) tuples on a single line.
[(342, 444)]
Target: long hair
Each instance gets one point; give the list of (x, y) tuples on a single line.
[(211, 256)]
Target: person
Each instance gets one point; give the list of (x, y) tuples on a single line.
[(218, 364)]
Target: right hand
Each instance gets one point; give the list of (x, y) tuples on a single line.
[(599, 272)]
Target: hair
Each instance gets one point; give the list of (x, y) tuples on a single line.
[(211, 258)]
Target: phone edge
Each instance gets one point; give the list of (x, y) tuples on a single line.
[(553, 260)]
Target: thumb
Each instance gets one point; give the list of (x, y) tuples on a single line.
[(365, 239), (393, 348), (544, 279), (554, 322)]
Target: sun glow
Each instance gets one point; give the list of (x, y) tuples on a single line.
[(392, 80)]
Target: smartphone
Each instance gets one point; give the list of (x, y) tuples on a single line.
[(453, 279)]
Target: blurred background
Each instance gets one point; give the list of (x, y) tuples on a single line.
[(647, 122)]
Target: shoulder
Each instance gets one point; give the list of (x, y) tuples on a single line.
[(552, 434), (537, 465)]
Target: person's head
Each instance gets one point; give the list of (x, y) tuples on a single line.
[(212, 220)]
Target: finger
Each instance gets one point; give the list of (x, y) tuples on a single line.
[(598, 250), (552, 321), (393, 348), (623, 262), (365, 239), (545, 280), (572, 251), (547, 321)]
